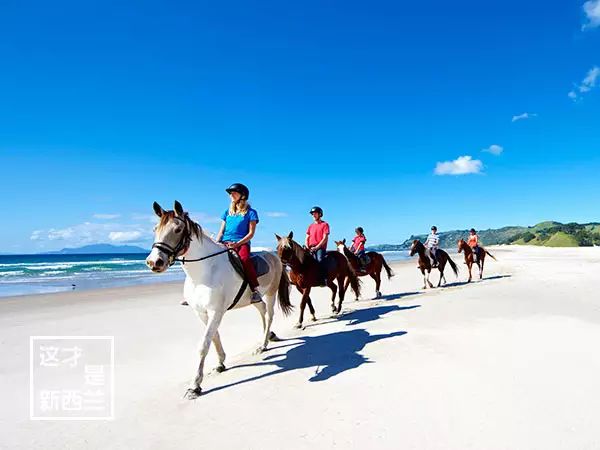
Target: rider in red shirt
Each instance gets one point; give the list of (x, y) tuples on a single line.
[(317, 235), (473, 242)]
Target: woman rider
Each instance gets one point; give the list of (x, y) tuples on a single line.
[(358, 244), (237, 229), (474, 244)]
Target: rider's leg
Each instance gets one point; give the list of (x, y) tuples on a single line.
[(244, 253), (320, 256), (433, 253)]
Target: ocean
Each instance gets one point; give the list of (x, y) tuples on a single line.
[(40, 274)]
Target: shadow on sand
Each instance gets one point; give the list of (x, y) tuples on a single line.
[(361, 316), (330, 354), (475, 281)]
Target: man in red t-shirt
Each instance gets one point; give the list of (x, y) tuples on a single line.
[(317, 235)]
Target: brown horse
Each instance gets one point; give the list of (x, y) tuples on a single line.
[(306, 273), (425, 262), (373, 268), (470, 259)]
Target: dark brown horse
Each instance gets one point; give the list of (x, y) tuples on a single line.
[(373, 268), (425, 262), (470, 257), (306, 273)]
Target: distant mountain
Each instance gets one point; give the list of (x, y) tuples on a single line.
[(548, 234), (98, 248)]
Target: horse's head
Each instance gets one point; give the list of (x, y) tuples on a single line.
[(414, 248), (341, 245), (287, 248), (172, 237), (461, 245)]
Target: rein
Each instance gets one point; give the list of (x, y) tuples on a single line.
[(182, 247)]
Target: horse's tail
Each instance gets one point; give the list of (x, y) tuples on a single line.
[(283, 293), (453, 265), (354, 281), (388, 269), (490, 255)]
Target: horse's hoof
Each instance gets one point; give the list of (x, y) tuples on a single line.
[(273, 337), (298, 326), (220, 368), (193, 393), (314, 319), (356, 299), (259, 350)]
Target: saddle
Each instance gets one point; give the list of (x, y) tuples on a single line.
[(364, 261), (259, 263)]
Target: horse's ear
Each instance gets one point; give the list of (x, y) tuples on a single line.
[(158, 209), (344, 241), (277, 237), (291, 235), (178, 208)]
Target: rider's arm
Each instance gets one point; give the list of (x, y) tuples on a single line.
[(249, 236), (323, 243), (221, 231), (359, 247)]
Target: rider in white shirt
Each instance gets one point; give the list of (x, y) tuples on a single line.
[(432, 243)]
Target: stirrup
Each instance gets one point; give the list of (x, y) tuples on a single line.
[(256, 297)]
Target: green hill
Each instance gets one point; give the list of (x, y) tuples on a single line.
[(547, 234)]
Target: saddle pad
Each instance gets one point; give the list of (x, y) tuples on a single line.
[(260, 264)]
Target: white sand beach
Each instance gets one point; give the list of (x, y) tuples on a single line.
[(510, 362)]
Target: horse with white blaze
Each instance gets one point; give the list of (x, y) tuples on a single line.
[(212, 284)]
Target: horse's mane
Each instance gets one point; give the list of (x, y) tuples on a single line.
[(418, 245), (195, 228), (348, 253), (296, 248)]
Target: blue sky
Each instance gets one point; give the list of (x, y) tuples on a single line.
[(366, 109)]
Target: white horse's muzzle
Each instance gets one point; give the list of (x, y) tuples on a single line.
[(157, 261)]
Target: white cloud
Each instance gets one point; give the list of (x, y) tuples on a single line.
[(124, 236), (276, 214), (592, 14), (463, 165), (93, 233), (106, 216), (36, 235), (523, 116), (494, 149), (588, 83), (60, 235)]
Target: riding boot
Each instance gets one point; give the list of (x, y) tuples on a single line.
[(256, 297)]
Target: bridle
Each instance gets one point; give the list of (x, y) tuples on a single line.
[(182, 246)]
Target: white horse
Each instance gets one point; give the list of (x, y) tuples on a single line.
[(212, 284)]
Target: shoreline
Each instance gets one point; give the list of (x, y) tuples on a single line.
[(109, 289)]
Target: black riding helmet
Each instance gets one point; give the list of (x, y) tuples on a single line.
[(240, 189), (472, 230), (316, 209)]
